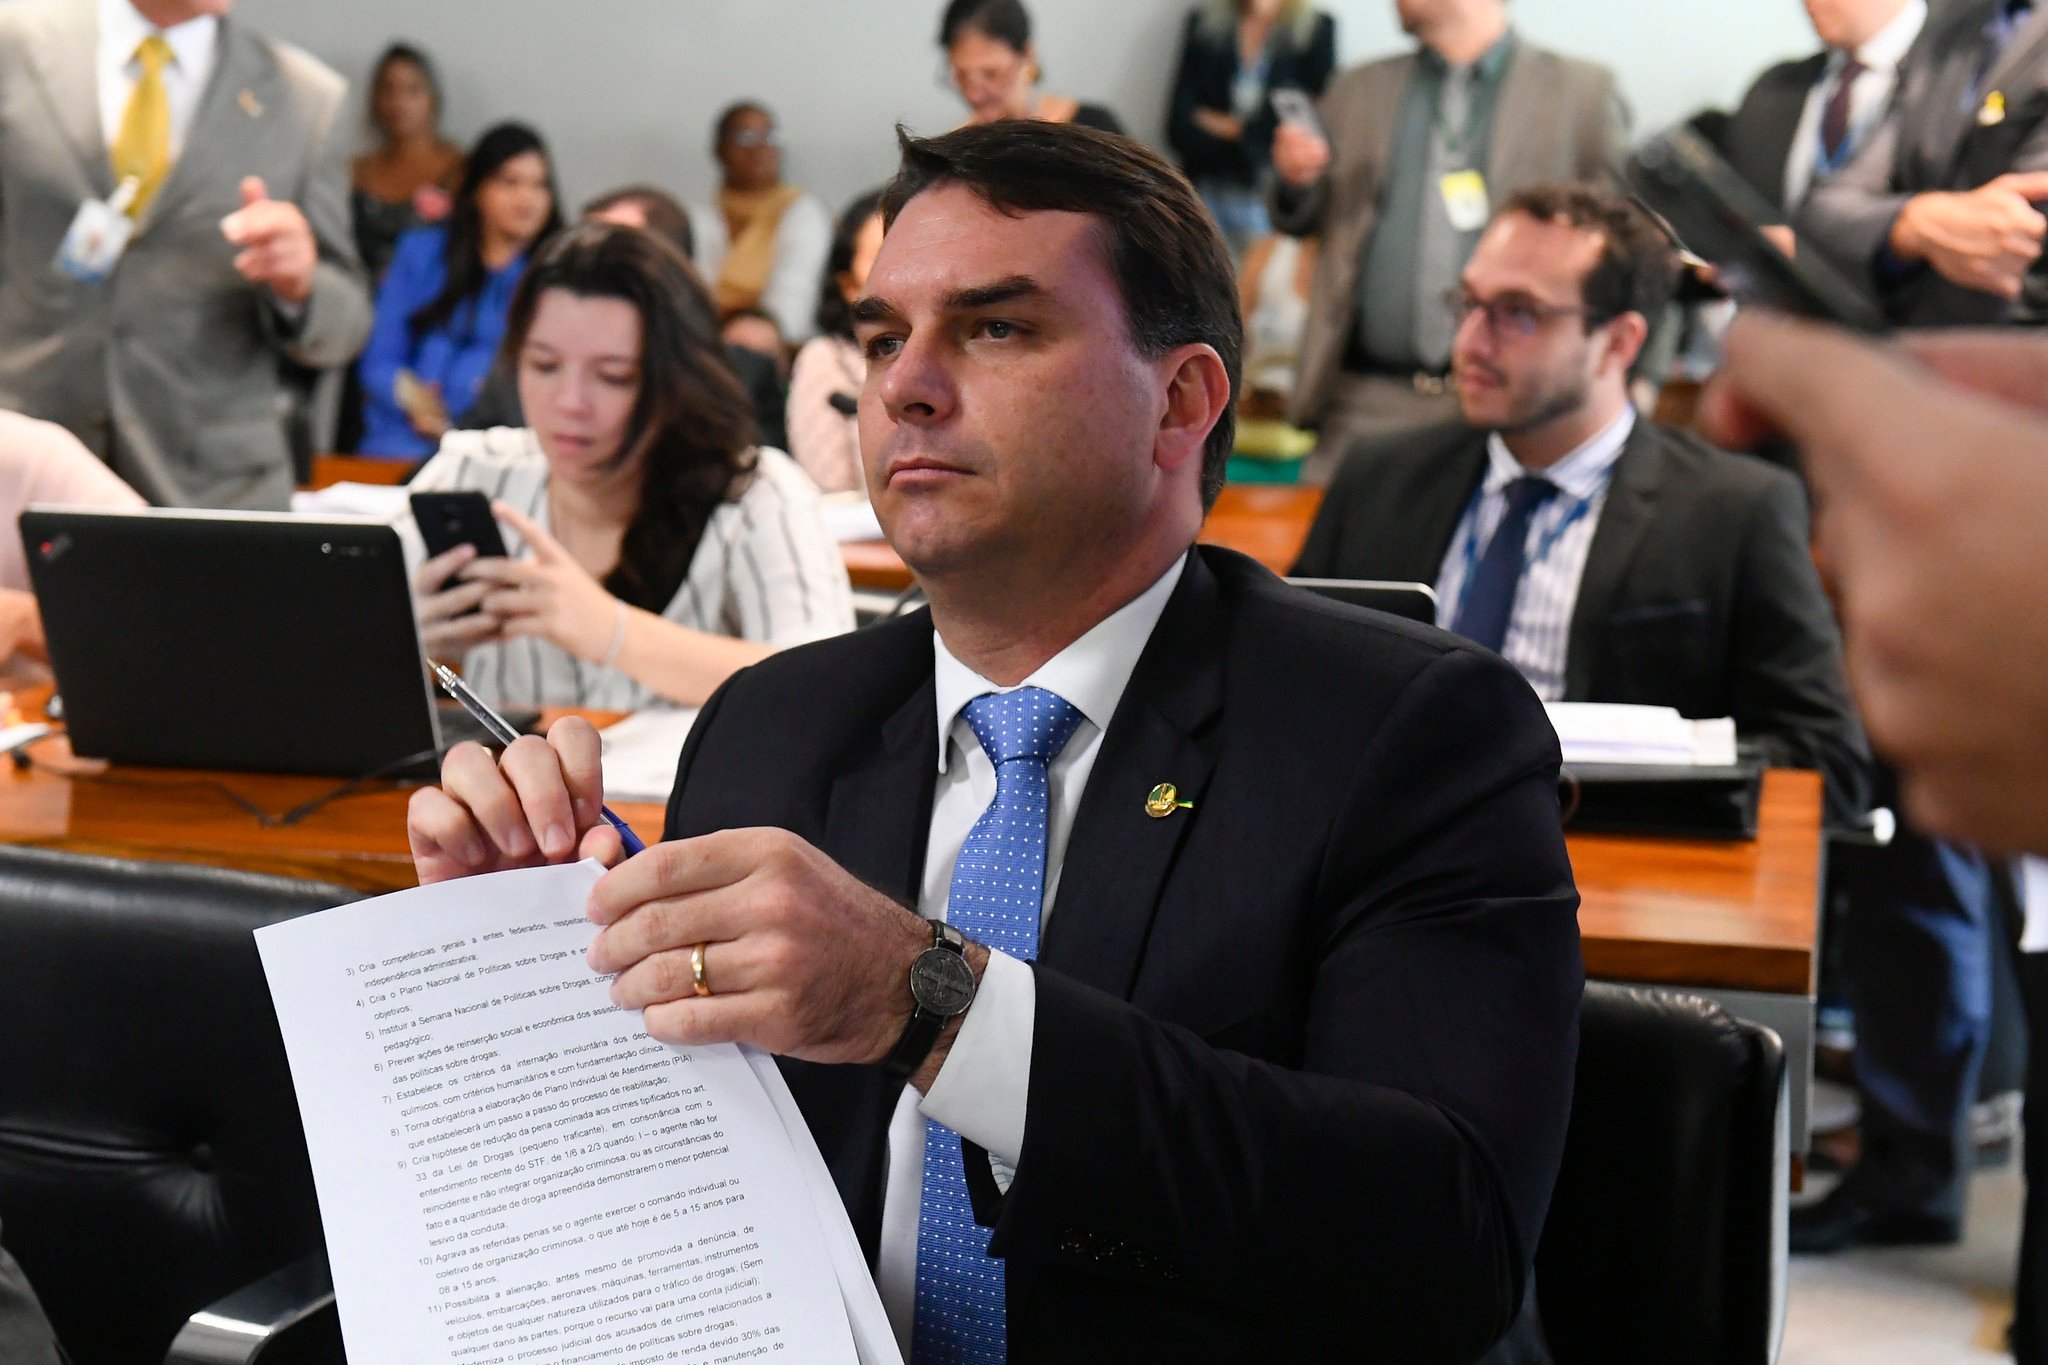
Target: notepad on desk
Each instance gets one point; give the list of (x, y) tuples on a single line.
[(641, 753), (1609, 732)]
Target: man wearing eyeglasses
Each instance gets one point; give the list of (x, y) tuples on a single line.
[(1608, 558)]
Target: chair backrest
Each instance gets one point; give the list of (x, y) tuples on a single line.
[(1662, 1241), (151, 1158), (1410, 601)]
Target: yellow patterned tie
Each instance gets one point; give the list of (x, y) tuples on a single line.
[(143, 149)]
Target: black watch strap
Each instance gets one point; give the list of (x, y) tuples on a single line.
[(921, 1034)]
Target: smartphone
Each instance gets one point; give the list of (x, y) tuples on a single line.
[(447, 520), (1294, 106), (1712, 213)]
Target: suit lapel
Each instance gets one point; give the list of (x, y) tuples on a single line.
[(1118, 856), (238, 71), (2022, 55), (879, 815), (1519, 117), (66, 59), (1624, 518), (1785, 110), (1381, 113), (1438, 506)]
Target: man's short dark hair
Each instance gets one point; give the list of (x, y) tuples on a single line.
[(1637, 269), (665, 217), (1162, 246)]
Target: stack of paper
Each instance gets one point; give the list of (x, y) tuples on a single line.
[(641, 752), (1607, 732), (388, 504), (509, 1169), (850, 516)]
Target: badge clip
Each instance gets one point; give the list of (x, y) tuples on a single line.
[(1993, 112), (251, 106)]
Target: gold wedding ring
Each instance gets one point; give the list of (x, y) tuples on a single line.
[(697, 979)]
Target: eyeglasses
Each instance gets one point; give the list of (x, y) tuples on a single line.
[(749, 137), (1508, 319)]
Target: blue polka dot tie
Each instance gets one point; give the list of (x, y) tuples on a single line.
[(997, 892)]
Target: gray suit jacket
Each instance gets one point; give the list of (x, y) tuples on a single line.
[(1930, 141), (169, 368), (25, 1337), (1557, 119)]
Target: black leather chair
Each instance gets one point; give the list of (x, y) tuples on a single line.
[(151, 1158), (1666, 1236)]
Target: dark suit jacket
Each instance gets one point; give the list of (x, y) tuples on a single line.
[(1208, 71), (1758, 138), (1699, 590), (25, 1337), (1302, 1056), (1931, 141)]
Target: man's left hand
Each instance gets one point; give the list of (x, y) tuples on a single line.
[(274, 243), (802, 958)]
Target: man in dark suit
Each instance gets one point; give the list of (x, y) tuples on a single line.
[(1936, 211), (1288, 1077), (1803, 120), (1649, 568)]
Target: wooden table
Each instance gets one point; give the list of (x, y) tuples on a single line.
[(1732, 920), (1269, 522)]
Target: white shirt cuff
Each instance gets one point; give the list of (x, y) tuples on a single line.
[(981, 1091)]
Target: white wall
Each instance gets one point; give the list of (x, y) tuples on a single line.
[(627, 89)]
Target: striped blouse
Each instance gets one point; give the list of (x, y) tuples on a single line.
[(766, 569), (1560, 536)]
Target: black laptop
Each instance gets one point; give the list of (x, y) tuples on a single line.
[(239, 641)]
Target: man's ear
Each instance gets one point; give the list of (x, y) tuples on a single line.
[(1197, 396), (1626, 337)]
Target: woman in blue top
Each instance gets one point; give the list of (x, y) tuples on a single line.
[(441, 309)]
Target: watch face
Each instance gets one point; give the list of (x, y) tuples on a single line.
[(942, 982)]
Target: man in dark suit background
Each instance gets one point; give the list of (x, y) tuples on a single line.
[(1936, 212), (1289, 1074), (1803, 120), (1639, 564)]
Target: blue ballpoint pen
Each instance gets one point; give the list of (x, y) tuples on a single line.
[(499, 730)]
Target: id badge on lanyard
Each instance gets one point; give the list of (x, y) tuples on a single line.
[(98, 235)]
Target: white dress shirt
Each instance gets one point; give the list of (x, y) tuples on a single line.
[(1554, 558), (194, 44), (980, 1092), (2031, 877), (1867, 99)]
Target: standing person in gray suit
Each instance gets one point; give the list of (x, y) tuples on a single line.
[(25, 1336), (1415, 151), (1937, 214), (163, 358)]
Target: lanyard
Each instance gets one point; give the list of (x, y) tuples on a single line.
[(1469, 554)]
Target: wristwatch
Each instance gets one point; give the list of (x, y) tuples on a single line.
[(941, 988)]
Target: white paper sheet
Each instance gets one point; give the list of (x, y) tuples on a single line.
[(850, 516), (640, 754), (510, 1170), (392, 503), (1612, 732)]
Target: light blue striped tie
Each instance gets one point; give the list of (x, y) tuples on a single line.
[(998, 889)]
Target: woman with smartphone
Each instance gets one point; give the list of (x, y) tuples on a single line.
[(656, 549), (441, 308)]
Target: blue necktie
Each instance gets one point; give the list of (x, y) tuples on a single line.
[(1489, 595), (997, 892)]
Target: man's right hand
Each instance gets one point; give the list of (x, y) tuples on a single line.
[(1984, 239), (536, 804), (1299, 155)]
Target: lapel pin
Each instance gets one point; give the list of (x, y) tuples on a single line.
[(251, 106), (1163, 800), (1993, 112)]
